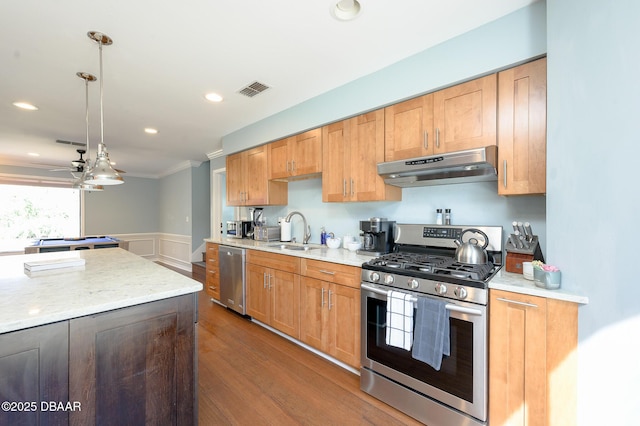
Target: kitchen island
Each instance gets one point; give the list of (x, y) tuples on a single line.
[(109, 341)]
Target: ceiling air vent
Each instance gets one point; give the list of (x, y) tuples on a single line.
[(70, 143), (253, 89)]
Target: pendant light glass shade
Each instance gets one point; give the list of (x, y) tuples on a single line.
[(102, 173)]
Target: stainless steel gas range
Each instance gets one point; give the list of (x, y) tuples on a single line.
[(423, 265)]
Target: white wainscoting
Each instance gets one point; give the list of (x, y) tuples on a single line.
[(172, 249)]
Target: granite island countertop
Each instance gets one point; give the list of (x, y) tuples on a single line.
[(110, 279)]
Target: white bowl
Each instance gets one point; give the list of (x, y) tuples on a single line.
[(333, 242), (353, 246)]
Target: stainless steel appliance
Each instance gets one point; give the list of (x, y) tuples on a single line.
[(377, 235), (472, 165), (423, 264), (232, 278), (266, 233), (239, 228)]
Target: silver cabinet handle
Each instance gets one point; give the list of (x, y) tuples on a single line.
[(504, 170), (322, 297), (330, 299), (437, 138), (324, 271), (344, 187), (425, 139), (352, 187), (212, 288), (270, 276), (515, 302), (264, 280), (293, 165)]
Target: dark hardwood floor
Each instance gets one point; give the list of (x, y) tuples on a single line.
[(248, 375)]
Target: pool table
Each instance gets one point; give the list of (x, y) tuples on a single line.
[(69, 244)]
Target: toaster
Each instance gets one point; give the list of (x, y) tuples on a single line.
[(266, 233)]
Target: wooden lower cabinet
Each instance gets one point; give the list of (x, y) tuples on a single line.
[(273, 290), (135, 365), (532, 360), (330, 319), (330, 309), (212, 283), (34, 369)]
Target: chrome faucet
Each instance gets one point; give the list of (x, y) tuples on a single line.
[(307, 228)]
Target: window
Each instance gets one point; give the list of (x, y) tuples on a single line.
[(32, 212)]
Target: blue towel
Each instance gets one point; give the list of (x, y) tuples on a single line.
[(431, 336)]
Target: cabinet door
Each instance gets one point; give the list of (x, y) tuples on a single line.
[(313, 312), (367, 150), (409, 129), (255, 177), (213, 271), (335, 158), (306, 151), (258, 305), (34, 368), (517, 359), (279, 162), (343, 307), (464, 116), (235, 179), (285, 302), (135, 365), (522, 133)]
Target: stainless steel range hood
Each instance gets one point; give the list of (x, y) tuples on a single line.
[(473, 165)]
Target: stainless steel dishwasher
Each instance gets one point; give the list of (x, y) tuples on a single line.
[(232, 278)]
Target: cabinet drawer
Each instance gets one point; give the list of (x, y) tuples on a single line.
[(331, 272), (281, 262)]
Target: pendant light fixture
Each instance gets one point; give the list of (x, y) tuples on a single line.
[(80, 182), (102, 173)]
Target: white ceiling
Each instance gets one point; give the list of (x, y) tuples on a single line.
[(167, 54)]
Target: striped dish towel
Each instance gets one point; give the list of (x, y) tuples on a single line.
[(399, 320)]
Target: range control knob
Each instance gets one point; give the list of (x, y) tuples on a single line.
[(388, 279), (374, 276), (413, 283), (441, 288), (460, 292)]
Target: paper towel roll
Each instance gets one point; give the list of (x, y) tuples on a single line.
[(285, 231)]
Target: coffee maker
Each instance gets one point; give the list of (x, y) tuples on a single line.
[(378, 235)]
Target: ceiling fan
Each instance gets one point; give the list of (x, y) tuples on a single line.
[(78, 165)]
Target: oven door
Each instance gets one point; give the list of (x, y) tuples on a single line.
[(460, 383)]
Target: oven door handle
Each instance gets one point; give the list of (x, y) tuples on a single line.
[(449, 306)]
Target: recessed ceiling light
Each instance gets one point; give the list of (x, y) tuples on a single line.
[(33, 154), (346, 10), (25, 105), (151, 131), (213, 97)]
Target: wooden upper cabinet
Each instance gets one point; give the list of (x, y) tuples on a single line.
[(464, 115), (409, 129), (522, 132), (352, 150), (295, 156), (247, 180)]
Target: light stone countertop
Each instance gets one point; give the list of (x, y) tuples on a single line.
[(316, 252), (502, 280), (516, 283), (110, 279)]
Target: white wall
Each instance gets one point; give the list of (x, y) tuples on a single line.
[(592, 197)]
